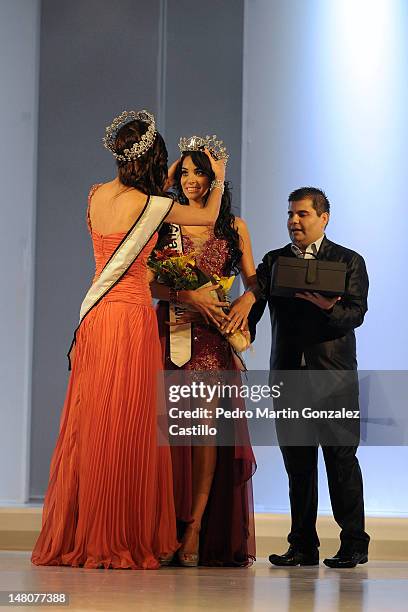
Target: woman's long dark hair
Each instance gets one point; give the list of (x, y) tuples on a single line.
[(148, 173), (224, 226)]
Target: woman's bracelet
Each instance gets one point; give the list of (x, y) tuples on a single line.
[(217, 183)]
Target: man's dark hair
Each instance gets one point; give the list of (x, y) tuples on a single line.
[(319, 199)]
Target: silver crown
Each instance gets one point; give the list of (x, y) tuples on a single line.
[(198, 143), (140, 147)]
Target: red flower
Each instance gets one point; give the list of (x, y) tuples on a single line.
[(165, 254)]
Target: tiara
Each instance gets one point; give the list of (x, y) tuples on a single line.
[(140, 147), (198, 143)]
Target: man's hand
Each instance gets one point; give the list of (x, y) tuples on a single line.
[(323, 302)]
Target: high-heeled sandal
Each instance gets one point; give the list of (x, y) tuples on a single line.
[(166, 559), (187, 559)]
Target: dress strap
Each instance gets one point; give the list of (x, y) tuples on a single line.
[(88, 208)]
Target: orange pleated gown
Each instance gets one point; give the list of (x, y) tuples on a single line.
[(109, 501)]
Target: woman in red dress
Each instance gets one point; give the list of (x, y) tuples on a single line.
[(212, 484)]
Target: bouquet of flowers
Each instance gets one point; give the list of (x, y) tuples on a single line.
[(177, 270), (181, 272)]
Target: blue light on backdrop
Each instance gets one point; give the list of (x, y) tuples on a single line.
[(325, 104)]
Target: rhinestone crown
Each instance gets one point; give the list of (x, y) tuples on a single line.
[(198, 143), (140, 147)]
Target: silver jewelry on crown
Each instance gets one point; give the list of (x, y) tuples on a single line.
[(140, 147), (198, 143)]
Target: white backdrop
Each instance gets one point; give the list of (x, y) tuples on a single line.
[(325, 98)]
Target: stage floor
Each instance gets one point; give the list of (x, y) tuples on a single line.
[(375, 586)]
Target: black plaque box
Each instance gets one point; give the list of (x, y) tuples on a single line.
[(291, 275)]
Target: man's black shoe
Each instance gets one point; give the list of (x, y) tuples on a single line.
[(346, 559), (293, 557)]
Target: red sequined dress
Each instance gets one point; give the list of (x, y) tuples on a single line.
[(227, 536)]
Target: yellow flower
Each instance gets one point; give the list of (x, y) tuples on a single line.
[(225, 282), (191, 260), (184, 260)]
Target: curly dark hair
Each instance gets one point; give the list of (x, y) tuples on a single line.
[(224, 226), (148, 173)]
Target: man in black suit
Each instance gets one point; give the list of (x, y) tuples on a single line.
[(313, 332)]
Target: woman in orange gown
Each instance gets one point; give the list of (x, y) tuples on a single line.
[(109, 501)]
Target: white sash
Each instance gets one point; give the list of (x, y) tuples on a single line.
[(126, 253), (180, 333)]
